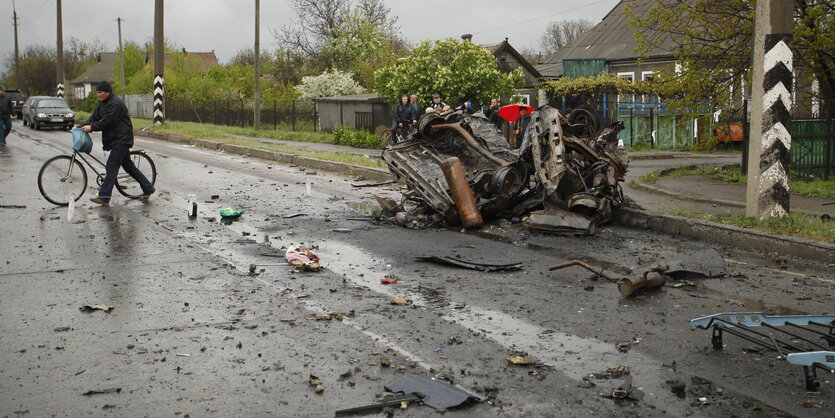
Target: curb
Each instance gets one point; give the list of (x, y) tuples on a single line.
[(284, 158), (727, 235)]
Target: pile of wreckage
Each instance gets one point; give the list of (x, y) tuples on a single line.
[(565, 176)]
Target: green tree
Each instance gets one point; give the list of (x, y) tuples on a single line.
[(134, 62), (327, 84), (712, 41), (590, 89), (458, 70), (361, 46)]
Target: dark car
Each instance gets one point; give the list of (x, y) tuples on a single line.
[(46, 111), (18, 101)]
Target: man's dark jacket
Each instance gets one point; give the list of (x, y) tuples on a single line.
[(6, 107), (404, 113), (112, 119)]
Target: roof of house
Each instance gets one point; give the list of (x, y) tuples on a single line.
[(504, 46), (100, 71), (612, 39), (207, 59)]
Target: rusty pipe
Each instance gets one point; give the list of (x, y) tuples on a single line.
[(608, 275), (650, 279), (456, 127), (462, 194)]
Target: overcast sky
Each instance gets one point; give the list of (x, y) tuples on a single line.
[(226, 26)]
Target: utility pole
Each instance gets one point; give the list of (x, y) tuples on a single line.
[(121, 57), (770, 140), (16, 50), (159, 65), (60, 53), (256, 120)]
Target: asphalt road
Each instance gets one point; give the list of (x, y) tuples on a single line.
[(194, 333)]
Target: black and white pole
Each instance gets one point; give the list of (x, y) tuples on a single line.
[(159, 64), (770, 142), (159, 95), (60, 90)]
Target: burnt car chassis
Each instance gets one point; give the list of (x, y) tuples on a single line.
[(565, 171)]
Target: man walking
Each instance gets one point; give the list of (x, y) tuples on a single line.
[(112, 119), (6, 110)]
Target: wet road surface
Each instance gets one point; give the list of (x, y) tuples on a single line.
[(193, 332)]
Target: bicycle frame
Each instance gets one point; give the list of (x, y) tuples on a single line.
[(79, 155)]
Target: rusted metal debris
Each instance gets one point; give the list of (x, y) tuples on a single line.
[(650, 279), (566, 172)]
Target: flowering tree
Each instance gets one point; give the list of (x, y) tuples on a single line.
[(334, 83), (458, 70)]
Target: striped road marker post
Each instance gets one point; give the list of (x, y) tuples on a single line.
[(60, 92), (159, 93)]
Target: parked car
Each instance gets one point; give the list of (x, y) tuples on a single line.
[(45, 111), (18, 101)]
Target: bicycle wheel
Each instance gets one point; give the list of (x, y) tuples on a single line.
[(126, 185), (61, 178)]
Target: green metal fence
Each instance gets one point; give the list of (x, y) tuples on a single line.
[(813, 146)]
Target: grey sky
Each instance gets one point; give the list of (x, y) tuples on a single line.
[(226, 26)]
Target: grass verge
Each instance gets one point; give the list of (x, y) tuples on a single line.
[(794, 224), (733, 175)]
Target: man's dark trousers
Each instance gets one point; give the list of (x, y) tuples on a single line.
[(120, 157), (5, 128)]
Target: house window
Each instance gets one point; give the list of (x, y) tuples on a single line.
[(648, 76), (627, 98)]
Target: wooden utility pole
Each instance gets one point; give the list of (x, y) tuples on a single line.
[(60, 53), (16, 51), (159, 65), (121, 58), (256, 120), (771, 96)]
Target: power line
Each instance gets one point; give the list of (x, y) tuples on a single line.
[(541, 17)]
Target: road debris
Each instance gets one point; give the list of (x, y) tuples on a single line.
[(102, 391), (231, 213), (302, 258), (460, 169), (613, 372), (455, 262), (93, 308), (392, 401), (628, 392), (437, 395), (802, 347), (389, 280), (382, 183), (317, 385), (651, 278), (520, 361), (400, 301)]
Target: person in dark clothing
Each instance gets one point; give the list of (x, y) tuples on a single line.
[(521, 126), (492, 111), (415, 108), (404, 116), (112, 119), (6, 111), (437, 104)]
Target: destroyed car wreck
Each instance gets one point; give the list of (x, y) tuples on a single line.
[(565, 176)]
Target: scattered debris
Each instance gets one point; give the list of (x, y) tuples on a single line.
[(624, 347), (520, 361), (317, 386), (565, 168), (707, 263), (678, 388), (389, 280), (630, 393), (295, 215), (343, 230), (437, 395), (385, 362), (613, 372), (395, 401), (649, 279), (93, 308), (400, 301), (455, 262), (302, 258), (231, 213), (382, 183), (290, 321), (801, 347), (12, 206), (102, 391), (61, 329), (699, 295)]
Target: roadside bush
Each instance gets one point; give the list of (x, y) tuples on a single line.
[(355, 138), (89, 103)]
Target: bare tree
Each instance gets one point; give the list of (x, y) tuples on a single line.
[(319, 21), (560, 33)]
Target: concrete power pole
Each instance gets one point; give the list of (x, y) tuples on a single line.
[(770, 140), (159, 65), (16, 52), (256, 120), (59, 49), (121, 57)]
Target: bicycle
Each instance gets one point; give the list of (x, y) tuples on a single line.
[(63, 177)]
